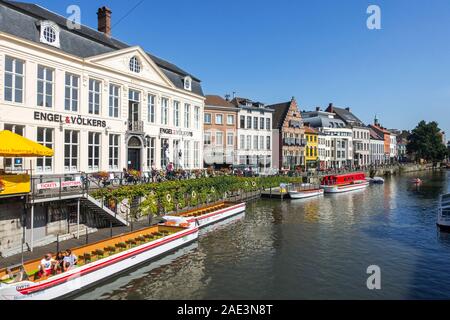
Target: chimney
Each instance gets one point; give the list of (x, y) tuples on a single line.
[(348, 109), (317, 108), (104, 20), (330, 108)]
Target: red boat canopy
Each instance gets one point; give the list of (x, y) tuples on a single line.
[(343, 178)]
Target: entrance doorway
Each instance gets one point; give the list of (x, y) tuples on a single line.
[(134, 154)]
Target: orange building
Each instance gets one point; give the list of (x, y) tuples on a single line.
[(383, 133)]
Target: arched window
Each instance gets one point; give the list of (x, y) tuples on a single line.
[(50, 33), (135, 65)]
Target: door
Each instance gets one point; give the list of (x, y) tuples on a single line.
[(134, 159)]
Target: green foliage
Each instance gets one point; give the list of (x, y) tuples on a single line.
[(188, 192), (425, 142)]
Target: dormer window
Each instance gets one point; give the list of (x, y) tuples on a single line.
[(135, 65), (50, 33), (188, 83)]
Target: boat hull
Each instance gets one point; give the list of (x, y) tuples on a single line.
[(211, 218), (81, 278), (306, 194), (346, 188)]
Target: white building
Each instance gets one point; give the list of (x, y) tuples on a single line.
[(393, 147), (254, 132), (361, 134), (377, 155), (101, 104), (340, 135), (324, 150)]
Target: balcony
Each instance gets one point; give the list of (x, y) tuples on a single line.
[(136, 126)]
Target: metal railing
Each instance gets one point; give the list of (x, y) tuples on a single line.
[(136, 126)]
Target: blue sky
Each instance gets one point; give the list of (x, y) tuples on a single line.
[(318, 51)]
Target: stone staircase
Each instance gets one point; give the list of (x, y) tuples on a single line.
[(99, 208)]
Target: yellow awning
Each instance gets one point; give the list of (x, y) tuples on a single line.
[(13, 145)]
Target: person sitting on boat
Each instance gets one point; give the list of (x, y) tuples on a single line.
[(59, 262), (47, 265), (70, 260)]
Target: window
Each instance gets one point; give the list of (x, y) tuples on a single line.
[(261, 143), (219, 138), (45, 138), (255, 123), (94, 96), (230, 120), (45, 87), (255, 142), (197, 117), (13, 164), (114, 100), (135, 65), (151, 108), (71, 92), (196, 154), (114, 151), (249, 122), (71, 145), (14, 79), (242, 122), (242, 142), (207, 138), (268, 125), (187, 159), (249, 142), (176, 113), (207, 118), (230, 138), (219, 118), (49, 33), (93, 151), (188, 83), (151, 152), (164, 111), (187, 115), (261, 123), (268, 143)]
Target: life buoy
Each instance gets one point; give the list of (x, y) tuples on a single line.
[(168, 198)]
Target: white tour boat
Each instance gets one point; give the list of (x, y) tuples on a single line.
[(207, 215), (444, 212), (125, 252), (304, 194)]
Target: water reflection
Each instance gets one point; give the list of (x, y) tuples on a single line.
[(315, 248)]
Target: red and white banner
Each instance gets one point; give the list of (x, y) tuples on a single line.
[(56, 185)]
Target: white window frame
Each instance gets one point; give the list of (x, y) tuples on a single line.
[(219, 116), (187, 159), (230, 116), (71, 92), (47, 85), (219, 138), (197, 117), (93, 160), (114, 100), (48, 144), (176, 113), (165, 111), (230, 134), (70, 156), (113, 149), (151, 108), (207, 142), (187, 115), (15, 76), (210, 118), (196, 154), (151, 152), (94, 106)]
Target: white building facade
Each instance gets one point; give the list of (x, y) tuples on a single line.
[(121, 108), (254, 134)]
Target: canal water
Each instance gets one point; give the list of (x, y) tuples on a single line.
[(310, 249)]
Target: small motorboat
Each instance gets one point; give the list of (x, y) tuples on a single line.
[(377, 180), (303, 194), (444, 213)]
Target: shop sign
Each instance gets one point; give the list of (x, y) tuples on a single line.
[(78, 120), (56, 185), (176, 132)]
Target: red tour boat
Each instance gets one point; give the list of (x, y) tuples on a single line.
[(344, 182)]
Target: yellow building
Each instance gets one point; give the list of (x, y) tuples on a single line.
[(312, 145)]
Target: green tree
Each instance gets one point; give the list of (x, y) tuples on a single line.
[(425, 142)]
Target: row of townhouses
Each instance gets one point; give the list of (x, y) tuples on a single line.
[(103, 105)]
